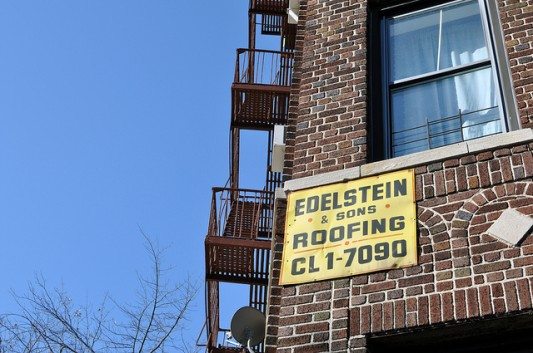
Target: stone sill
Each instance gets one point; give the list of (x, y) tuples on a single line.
[(413, 160)]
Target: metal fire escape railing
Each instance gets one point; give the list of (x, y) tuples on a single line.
[(273, 21), (261, 88), (237, 249), (241, 214), (273, 16), (238, 241), (264, 67)]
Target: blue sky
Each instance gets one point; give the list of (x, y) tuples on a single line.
[(113, 114)]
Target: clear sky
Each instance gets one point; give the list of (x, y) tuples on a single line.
[(113, 114)]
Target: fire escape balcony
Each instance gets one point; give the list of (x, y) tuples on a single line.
[(237, 245), (274, 7), (237, 250), (273, 20), (261, 88), (273, 15)]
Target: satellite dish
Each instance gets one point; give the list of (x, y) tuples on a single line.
[(248, 326)]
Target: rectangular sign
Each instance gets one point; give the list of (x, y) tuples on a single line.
[(345, 229)]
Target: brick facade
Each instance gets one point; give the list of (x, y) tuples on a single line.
[(517, 22), (328, 109), (327, 129), (464, 274)]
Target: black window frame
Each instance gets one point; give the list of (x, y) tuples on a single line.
[(379, 122)]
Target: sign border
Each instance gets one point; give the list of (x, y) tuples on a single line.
[(413, 220)]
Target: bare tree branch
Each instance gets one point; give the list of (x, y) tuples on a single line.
[(49, 322)]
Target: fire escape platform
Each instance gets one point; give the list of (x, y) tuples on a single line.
[(237, 245), (273, 7), (261, 89), (238, 242), (232, 260), (259, 106), (227, 350)]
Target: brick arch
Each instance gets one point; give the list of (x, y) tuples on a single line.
[(484, 264), (434, 239), (471, 218), (477, 214)]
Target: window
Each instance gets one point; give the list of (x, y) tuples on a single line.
[(438, 80)]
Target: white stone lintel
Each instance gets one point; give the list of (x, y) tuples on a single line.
[(413, 160), (499, 140)]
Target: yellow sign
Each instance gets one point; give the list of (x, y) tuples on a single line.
[(344, 229)]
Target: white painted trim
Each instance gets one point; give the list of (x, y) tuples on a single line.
[(413, 160), (279, 194)]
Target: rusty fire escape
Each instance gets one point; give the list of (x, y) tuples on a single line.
[(238, 241)]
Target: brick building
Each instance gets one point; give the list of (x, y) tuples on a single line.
[(441, 88)]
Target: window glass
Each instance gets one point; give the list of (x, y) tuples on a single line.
[(426, 106), (444, 111), (435, 39), (463, 41), (413, 45)]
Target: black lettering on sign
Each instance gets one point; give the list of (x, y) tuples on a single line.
[(336, 203), (296, 268), (355, 212), (312, 267), (382, 251), (379, 226), (299, 239), (396, 223), (362, 194), (319, 237), (399, 248), (325, 202), (351, 255), (364, 255), (377, 192), (329, 259), (348, 231), (368, 253), (352, 228), (336, 234), (312, 204), (400, 187), (299, 206), (349, 198)]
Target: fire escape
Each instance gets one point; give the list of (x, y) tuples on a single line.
[(238, 241)]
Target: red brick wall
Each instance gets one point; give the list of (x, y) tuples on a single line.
[(463, 272), (328, 122), (328, 112), (517, 23)]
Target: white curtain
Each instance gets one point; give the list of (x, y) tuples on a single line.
[(475, 91), (426, 115)]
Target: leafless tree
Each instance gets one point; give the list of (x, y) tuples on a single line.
[(49, 322)]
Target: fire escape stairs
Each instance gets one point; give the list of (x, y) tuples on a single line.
[(238, 241)]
